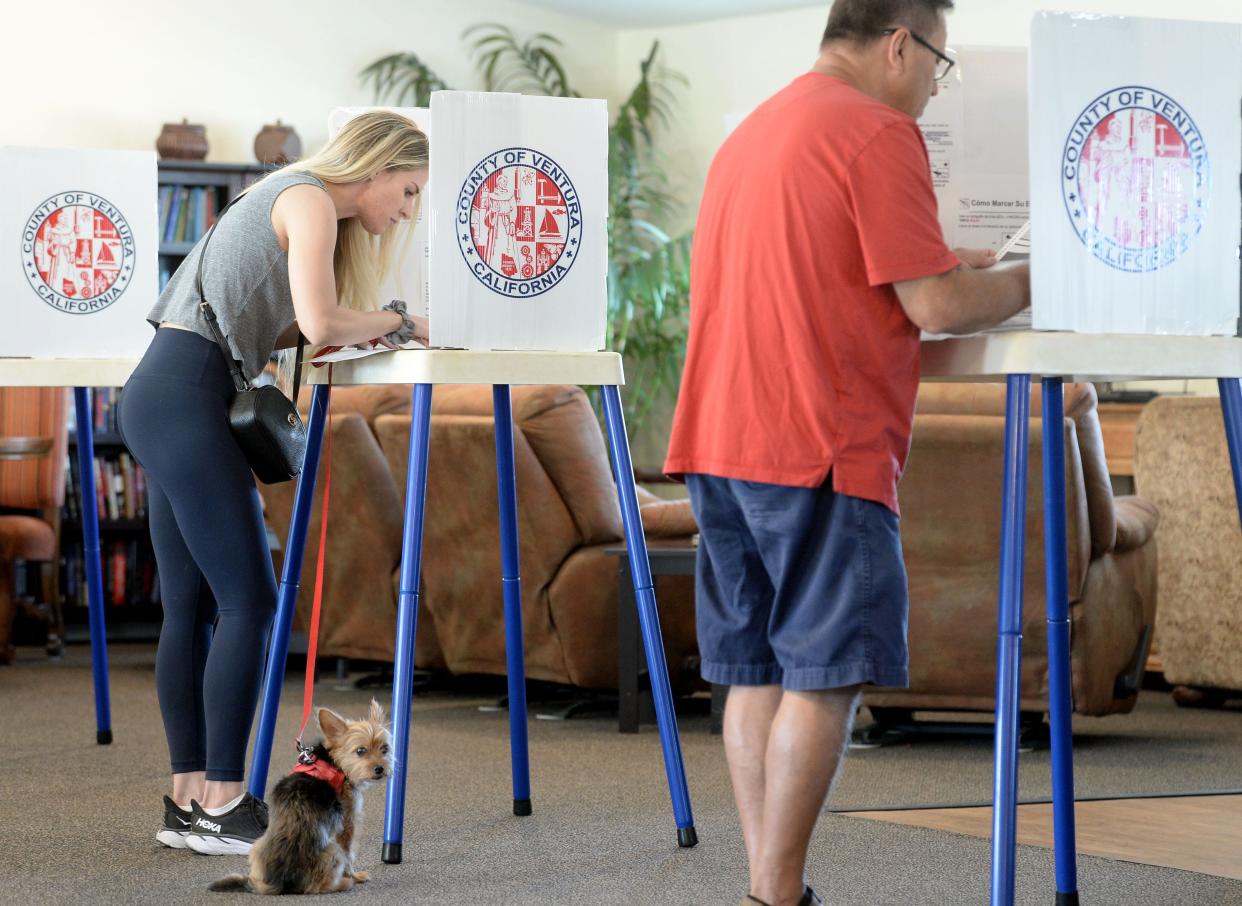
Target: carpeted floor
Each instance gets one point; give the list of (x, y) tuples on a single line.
[(77, 820)]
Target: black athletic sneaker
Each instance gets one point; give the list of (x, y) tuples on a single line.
[(230, 834), (176, 825)]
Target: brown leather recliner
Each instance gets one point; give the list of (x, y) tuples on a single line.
[(951, 518), (567, 515)]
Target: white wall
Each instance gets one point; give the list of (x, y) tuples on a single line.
[(108, 75), (734, 64), (120, 70)]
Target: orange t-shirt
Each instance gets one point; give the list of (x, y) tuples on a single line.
[(801, 360)]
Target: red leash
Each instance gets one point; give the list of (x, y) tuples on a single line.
[(313, 640)]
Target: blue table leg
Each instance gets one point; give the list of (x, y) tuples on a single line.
[(648, 617), (1009, 640), (1231, 409), (90, 556), (407, 619), (506, 486), (1060, 701), (287, 598)]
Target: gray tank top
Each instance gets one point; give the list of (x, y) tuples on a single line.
[(245, 278)]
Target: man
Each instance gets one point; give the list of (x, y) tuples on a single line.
[(817, 259)]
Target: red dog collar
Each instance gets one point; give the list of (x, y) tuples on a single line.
[(322, 770)]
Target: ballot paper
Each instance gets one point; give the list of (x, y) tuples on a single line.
[(975, 129)]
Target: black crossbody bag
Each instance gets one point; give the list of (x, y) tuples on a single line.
[(265, 423)]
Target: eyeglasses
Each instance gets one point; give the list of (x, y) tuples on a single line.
[(944, 64)]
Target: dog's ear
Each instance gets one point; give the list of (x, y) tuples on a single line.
[(377, 713), (331, 723)]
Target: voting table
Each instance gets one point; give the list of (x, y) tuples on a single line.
[(424, 369), (1017, 357)]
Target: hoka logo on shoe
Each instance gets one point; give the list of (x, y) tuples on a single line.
[(207, 825)]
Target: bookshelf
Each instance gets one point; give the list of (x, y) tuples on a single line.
[(191, 193), (130, 586)]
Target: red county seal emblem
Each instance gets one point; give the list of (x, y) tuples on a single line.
[(519, 222), (78, 252), (1136, 179)]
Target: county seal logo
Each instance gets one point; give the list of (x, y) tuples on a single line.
[(1136, 179), (78, 252), (519, 222)]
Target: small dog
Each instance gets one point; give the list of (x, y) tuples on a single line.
[(310, 842)]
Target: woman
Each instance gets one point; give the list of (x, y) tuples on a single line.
[(298, 252)]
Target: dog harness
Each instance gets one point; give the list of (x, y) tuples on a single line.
[(322, 770)]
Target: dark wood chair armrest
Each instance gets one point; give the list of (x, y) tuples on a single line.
[(24, 447), (651, 476)]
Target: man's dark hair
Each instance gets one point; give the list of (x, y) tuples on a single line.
[(861, 21)]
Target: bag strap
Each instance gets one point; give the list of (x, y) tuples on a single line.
[(198, 279), (297, 370), (239, 380)]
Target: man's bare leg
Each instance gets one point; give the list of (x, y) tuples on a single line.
[(805, 744), (748, 715)]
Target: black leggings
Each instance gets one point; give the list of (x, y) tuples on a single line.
[(217, 587)]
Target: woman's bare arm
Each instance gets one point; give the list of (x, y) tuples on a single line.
[(306, 216)]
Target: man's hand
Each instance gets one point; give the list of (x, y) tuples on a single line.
[(967, 298), (976, 259)]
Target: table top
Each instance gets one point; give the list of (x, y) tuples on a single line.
[(983, 357), (15, 372), (458, 366), (1080, 356)]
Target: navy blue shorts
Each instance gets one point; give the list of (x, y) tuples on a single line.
[(803, 588)]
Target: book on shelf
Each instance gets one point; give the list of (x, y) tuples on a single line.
[(120, 488), (127, 572), (104, 402), (186, 212)]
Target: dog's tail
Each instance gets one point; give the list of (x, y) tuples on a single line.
[(232, 882)]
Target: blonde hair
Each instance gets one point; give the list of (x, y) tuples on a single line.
[(369, 144)]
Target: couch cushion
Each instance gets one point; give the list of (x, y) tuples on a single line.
[(461, 574), (944, 398), (951, 497), (560, 427), (364, 542), (584, 599), (1137, 519), (370, 401)]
